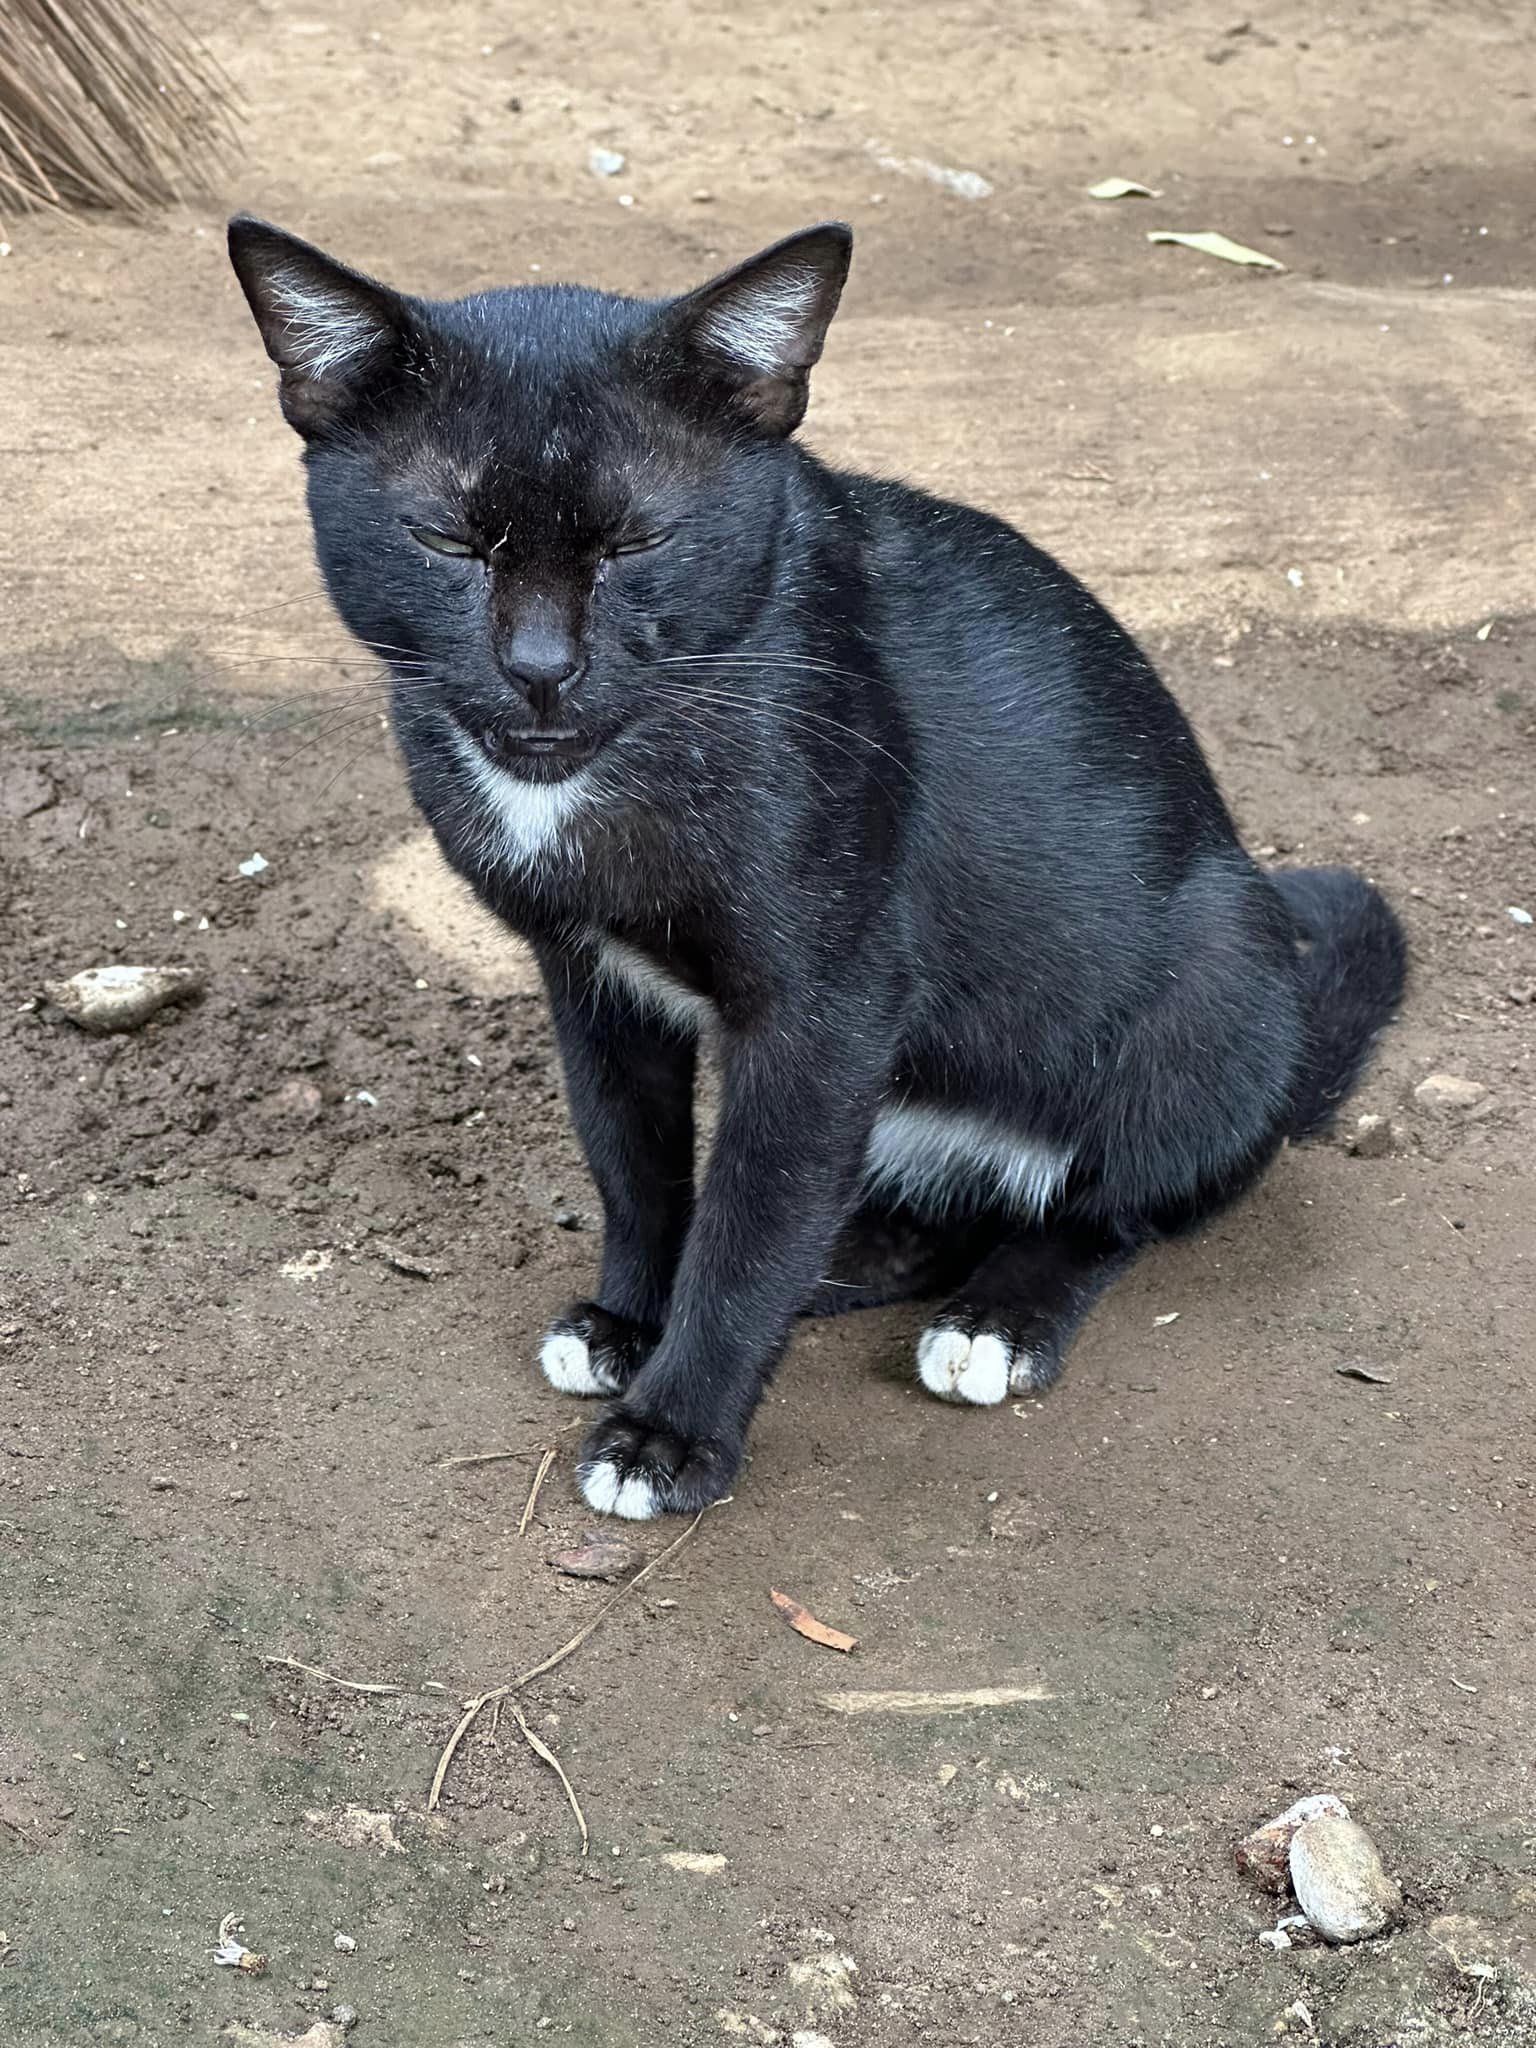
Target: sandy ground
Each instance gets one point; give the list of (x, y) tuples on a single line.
[(270, 1261)]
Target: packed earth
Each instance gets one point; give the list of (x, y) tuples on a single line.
[(274, 1263)]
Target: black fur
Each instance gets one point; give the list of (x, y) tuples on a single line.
[(867, 772)]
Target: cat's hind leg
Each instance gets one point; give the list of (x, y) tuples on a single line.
[(1007, 1329), (886, 1252)]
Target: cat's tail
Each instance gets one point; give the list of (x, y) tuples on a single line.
[(1355, 963)]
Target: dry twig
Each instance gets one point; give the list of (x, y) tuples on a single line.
[(500, 1457), (533, 1492), (475, 1707), (327, 1677), (542, 1750), (106, 103)]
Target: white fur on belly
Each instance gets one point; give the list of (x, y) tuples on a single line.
[(526, 818), (653, 986), (935, 1159)]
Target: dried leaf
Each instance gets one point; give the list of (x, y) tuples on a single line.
[(932, 1702), (1121, 188), (805, 1624), (1217, 245)]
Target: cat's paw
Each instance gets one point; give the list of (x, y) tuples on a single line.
[(982, 1365), (588, 1350), (637, 1468)]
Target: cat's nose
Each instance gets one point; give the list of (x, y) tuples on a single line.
[(542, 661)]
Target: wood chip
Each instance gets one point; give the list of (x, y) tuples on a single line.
[(597, 1556), (804, 1623), (933, 1702)]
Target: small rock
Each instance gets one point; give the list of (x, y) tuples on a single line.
[(1274, 1937), (356, 1828), (344, 1944), (102, 999), (160, 1483), (1371, 1138), (308, 1265), (1523, 992), (697, 1862), (567, 1219), (1519, 916), (254, 864), (824, 1983), (1264, 1855), (597, 1556), (605, 163), (1448, 1092), (24, 792), (1339, 1881)]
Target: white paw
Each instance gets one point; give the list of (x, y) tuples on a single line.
[(568, 1365), (983, 1369), (604, 1489)]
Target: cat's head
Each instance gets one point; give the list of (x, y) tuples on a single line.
[(530, 501)]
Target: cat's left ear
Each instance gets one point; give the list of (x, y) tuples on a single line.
[(756, 331), (331, 331)]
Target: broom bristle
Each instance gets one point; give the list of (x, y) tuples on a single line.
[(106, 103)]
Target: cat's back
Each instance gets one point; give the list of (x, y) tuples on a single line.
[(1013, 676)]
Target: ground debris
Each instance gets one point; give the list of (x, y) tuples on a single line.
[(119, 997), (824, 1983), (904, 1702), (326, 2033), (697, 1862), (804, 1623), (1222, 246), (1449, 1092), (1122, 188), (231, 1952), (1264, 1856), (1339, 1879), (596, 1556), (355, 1827)]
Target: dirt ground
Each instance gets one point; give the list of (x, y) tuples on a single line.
[(270, 1261)]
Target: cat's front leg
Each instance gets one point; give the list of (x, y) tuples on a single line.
[(629, 1076), (795, 1120)]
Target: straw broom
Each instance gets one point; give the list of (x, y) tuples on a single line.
[(105, 103)]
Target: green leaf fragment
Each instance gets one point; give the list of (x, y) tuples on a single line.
[(1121, 188), (1217, 245)]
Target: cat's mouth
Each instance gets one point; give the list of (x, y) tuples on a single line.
[(538, 756)]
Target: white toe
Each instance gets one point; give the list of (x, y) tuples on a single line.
[(567, 1364), (961, 1368), (940, 1356), (634, 1498)]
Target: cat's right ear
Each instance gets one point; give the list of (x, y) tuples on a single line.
[(330, 330)]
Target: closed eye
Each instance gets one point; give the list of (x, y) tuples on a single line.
[(442, 543), (638, 543)]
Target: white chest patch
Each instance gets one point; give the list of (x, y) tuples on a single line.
[(653, 986), (525, 820), (938, 1159)]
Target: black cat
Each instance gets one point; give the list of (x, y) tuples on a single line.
[(854, 783)]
